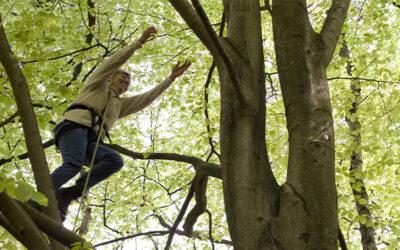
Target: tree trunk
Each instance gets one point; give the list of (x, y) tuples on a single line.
[(302, 213), (250, 190), (307, 218)]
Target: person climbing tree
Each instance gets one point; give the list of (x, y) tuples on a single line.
[(93, 114)]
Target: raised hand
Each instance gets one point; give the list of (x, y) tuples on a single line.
[(147, 33), (178, 70)]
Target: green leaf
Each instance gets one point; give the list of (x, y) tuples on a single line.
[(362, 201), (10, 188), (19, 176), (357, 174), (385, 156), (39, 198), (146, 154), (23, 191), (82, 246), (363, 219)]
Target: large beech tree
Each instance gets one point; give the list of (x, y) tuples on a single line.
[(247, 137)]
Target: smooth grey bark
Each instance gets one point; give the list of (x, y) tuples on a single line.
[(307, 218), (250, 189), (301, 214), (249, 186)]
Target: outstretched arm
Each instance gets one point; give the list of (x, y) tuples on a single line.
[(111, 64), (135, 103)]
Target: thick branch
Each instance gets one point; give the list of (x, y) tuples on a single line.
[(23, 224), (200, 190), (332, 27), (210, 169), (220, 48), (187, 12), (29, 123), (51, 227), (206, 168), (10, 228), (198, 21)]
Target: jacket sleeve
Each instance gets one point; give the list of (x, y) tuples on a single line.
[(136, 103), (100, 76)]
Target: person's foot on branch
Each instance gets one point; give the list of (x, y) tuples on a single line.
[(64, 198)]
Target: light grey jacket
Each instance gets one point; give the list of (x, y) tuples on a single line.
[(98, 90)]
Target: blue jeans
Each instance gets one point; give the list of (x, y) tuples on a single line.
[(77, 147)]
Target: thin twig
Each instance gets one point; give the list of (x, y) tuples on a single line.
[(210, 139), (9, 119), (210, 228), (195, 235), (362, 79), (65, 55), (180, 216), (151, 233)]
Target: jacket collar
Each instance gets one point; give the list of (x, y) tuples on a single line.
[(114, 92)]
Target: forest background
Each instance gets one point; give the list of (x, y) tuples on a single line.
[(58, 44)]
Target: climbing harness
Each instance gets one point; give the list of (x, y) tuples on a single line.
[(69, 127)]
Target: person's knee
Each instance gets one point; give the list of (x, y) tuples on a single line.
[(120, 162), (117, 161)]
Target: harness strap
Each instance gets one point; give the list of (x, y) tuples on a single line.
[(92, 116), (92, 112)]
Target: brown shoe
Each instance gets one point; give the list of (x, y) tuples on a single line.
[(64, 198)]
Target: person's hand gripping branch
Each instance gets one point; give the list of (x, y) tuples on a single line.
[(178, 70), (147, 33)]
